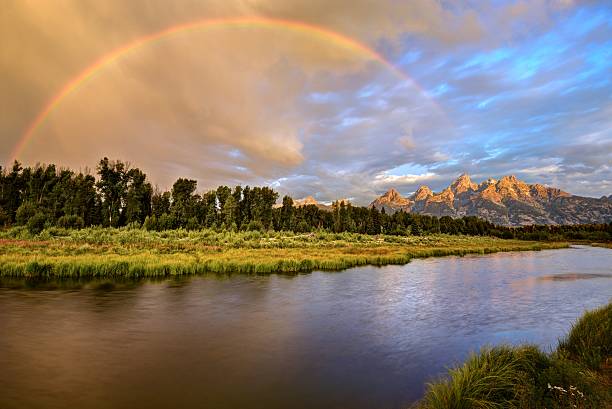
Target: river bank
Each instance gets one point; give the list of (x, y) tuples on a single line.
[(577, 374), (106, 252)]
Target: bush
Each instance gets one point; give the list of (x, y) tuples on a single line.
[(192, 224), (302, 227), (25, 212), (150, 223), (166, 222), (5, 220), (71, 222), (255, 225), (36, 224), (133, 226)]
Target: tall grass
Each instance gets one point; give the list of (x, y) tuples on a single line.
[(488, 379), (573, 376), (124, 252), (590, 340)]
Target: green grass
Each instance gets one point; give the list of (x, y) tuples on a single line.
[(576, 375), (106, 252), (590, 340)]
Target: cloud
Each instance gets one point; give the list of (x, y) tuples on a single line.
[(519, 87)]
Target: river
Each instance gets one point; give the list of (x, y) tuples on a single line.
[(367, 337)]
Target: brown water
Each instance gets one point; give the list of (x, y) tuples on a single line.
[(364, 338)]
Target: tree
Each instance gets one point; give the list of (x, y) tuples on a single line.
[(209, 205), (77, 196), (223, 193), (11, 188), (138, 197), (229, 211), (374, 225), (113, 188), (183, 200), (237, 195), (286, 214), (160, 203)]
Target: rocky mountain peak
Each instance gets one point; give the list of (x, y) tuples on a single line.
[(392, 194), (391, 198), (422, 193), (509, 181), (308, 200), (463, 184), (507, 201), (446, 196)]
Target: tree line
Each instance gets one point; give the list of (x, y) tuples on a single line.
[(45, 196)]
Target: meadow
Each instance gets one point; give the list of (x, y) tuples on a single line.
[(578, 374), (135, 252)]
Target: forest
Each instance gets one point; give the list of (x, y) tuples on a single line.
[(119, 195)]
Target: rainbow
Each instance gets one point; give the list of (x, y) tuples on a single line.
[(246, 22)]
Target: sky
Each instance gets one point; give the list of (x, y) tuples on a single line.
[(364, 96)]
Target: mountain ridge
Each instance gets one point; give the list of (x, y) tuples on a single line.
[(508, 201)]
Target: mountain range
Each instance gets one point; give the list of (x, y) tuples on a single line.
[(508, 201)]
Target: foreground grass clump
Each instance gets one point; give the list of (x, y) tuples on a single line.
[(125, 252), (576, 375), (590, 340)]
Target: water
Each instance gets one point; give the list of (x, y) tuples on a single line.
[(364, 338)]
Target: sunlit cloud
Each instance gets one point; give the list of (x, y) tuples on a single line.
[(485, 88)]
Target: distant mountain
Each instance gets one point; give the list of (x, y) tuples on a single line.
[(508, 201), (308, 200), (391, 201)]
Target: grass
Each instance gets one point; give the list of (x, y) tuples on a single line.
[(106, 252), (604, 245), (590, 340), (576, 375)]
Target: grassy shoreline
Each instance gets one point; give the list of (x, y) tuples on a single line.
[(578, 374), (106, 252)]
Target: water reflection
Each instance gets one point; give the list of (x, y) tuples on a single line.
[(364, 338)]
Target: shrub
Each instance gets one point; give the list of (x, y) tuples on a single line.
[(71, 222), (25, 212), (36, 223), (166, 222), (150, 223), (193, 224), (5, 220), (302, 227), (255, 225), (133, 226)]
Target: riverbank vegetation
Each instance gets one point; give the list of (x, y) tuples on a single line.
[(135, 252), (43, 197), (578, 374)]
